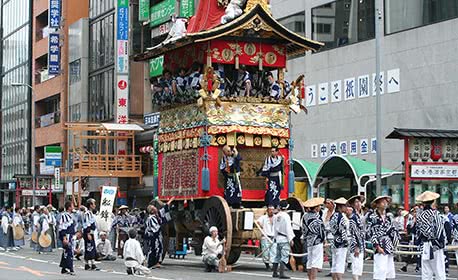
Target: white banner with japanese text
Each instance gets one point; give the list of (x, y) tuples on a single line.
[(104, 219)]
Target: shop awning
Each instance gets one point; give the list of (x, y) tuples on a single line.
[(401, 133), (348, 166), (305, 168)]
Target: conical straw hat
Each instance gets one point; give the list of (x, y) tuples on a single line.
[(428, 196), (313, 202)]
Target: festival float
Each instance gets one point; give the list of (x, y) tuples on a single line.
[(192, 132)]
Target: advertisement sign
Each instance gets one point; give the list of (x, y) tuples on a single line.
[(156, 66), (143, 10), (161, 12), (186, 8), (122, 62), (54, 54), (122, 99), (55, 12), (53, 155), (152, 119), (37, 192), (434, 171)]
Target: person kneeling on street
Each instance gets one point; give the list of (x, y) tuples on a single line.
[(133, 255), (212, 250), (104, 249)]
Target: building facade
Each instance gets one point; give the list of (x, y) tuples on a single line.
[(418, 65), (15, 79)]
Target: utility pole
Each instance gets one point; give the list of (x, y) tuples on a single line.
[(378, 117)]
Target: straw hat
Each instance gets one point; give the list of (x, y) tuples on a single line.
[(123, 207), (18, 232), (341, 201), (45, 240), (35, 237), (353, 198), (404, 213), (314, 202), (428, 196), (374, 202)]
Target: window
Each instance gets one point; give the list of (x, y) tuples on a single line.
[(101, 96), (406, 14), (75, 71), (101, 51), (295, 23), (343, 22)]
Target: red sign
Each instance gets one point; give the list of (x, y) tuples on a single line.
[(122, 85)]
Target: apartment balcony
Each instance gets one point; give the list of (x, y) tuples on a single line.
[(47, 120)]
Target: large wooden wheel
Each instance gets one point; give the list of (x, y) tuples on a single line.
[(216, 213), (296, 205)]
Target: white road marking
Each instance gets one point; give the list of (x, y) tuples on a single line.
[(37, 260)]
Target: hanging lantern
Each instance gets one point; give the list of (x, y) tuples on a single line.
[(414, 149), (436, 149), (425, 149), (455, 150), (446, 150)]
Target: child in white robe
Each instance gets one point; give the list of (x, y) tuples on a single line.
[(133, 255)]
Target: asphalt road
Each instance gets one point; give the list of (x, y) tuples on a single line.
[(27, 264)]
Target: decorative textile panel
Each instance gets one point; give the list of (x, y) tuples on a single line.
[(248, 53), (248, 114), (180, 173)]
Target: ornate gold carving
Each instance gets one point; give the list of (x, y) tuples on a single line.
[(253, 3), (250, 49), (228, 55), (271, 58)]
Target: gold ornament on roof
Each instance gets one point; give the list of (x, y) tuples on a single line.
[(252, 3)]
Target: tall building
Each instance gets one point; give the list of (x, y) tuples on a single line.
[(419, 82), (15, 79), (50, 91)]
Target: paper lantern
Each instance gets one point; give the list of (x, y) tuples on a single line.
[(425, 149), (414, 149), (436, 149), (446, 150)]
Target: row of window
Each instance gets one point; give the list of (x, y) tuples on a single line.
[(343, 22), (14, 160), (17, 14), (101, 96)]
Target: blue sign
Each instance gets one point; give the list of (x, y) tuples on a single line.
[(54, 54), (55, 12), (152, 120), (123, 23)]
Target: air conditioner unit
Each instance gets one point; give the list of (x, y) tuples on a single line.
[(44, 76)]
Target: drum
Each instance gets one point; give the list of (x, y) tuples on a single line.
[(35, 237), (45, 240), (18, 232)]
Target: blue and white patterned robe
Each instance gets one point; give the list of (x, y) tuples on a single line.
[(232, 188), (356, 233), (382, 232), (67, 229), (430, 228), (313, 229), (338, 228), (88, 230), (153, 236), (273, 171)]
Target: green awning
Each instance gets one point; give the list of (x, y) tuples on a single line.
[(365, 168), (304, 168), (348, 166)]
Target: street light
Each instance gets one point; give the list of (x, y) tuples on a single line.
[(32, 150)]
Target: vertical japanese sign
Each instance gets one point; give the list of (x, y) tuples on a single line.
[(143, 10), (106, 207), (55, 12), (186, 8), (54, 54), (122, 68)]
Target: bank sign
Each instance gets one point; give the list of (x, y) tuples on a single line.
[(53, 156)]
